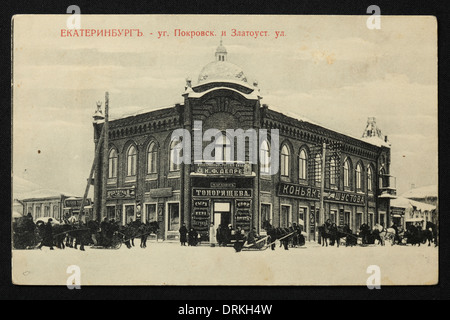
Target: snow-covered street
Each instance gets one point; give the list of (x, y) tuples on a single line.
[(166, 263)]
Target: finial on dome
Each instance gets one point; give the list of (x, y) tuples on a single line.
[(221, 52)]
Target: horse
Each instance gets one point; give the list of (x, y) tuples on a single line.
[(366, 235), (275, 234), (147, 229), (430, 233), (382, 234), (327, 231), (24, 233)]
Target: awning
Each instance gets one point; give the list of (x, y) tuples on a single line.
[(414, 219)]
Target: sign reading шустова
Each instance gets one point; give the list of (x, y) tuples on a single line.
[(306, 192)]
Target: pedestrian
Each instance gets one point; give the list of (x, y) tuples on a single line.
[(212, 235), (47, 239), (183, 234), (192, 238)]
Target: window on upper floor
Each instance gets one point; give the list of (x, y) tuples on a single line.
[(131, 161), (285, 161), (152, 158), (302, 165), (112, 164), (346, 174)]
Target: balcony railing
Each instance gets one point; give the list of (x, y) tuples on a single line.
[(387, 185)]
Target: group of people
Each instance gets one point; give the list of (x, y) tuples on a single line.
[(191, 237)]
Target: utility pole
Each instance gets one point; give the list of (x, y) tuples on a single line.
[(105, 158), (86, 191), (322, 184)]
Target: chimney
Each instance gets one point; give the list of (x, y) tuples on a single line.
[(385, 138)]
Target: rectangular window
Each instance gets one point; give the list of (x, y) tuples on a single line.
[(150, 211), (301, 217), (266, 215), (333, 214), (129, 213), (371, 220), (302, 168), (358, 220), (111, 212), (173, 216), (285, 216), (38, 212), (55, 211), (46, 211), (347, 218)]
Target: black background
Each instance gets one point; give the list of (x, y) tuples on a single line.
[(283, 298)]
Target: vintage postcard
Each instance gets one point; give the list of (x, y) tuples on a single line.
[(224, 150)]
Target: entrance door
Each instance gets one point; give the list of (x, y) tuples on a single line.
[(222, 214)]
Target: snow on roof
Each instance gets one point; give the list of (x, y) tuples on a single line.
[(422, 192), (376, 141), (371, 140), (44, 193), (137, 111), (402, 202)]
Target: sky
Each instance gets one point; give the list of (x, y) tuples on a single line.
[(330, 69)]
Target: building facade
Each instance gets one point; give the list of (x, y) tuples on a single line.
[(318, 167)]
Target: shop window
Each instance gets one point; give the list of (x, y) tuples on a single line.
[(131, 161), (333, 214), (370, 222), (152, 158), (285, 217), (173, 216), (265, 157), (347, 218), (302, 165), (266, 215), (112, 164), (301, 217), (285, 159), (150, 211), (129, 214), (358, 221), (111, 212)]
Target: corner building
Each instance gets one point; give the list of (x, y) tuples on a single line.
[(143, 182)]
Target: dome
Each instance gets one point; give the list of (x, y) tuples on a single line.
[(221, 70)]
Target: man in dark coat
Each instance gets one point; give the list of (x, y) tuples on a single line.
[(47, 239), (183, 234)]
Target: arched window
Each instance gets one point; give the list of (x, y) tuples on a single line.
[(175, 154), (265, 157), (285, 165), (333, 170), (112, 164), (318, 168), (152, 158), (222, 150), (131, 161), (302, 165), (346, 174), (358, 177), (369, 179)]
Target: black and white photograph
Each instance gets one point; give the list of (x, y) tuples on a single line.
[(224, 150)]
